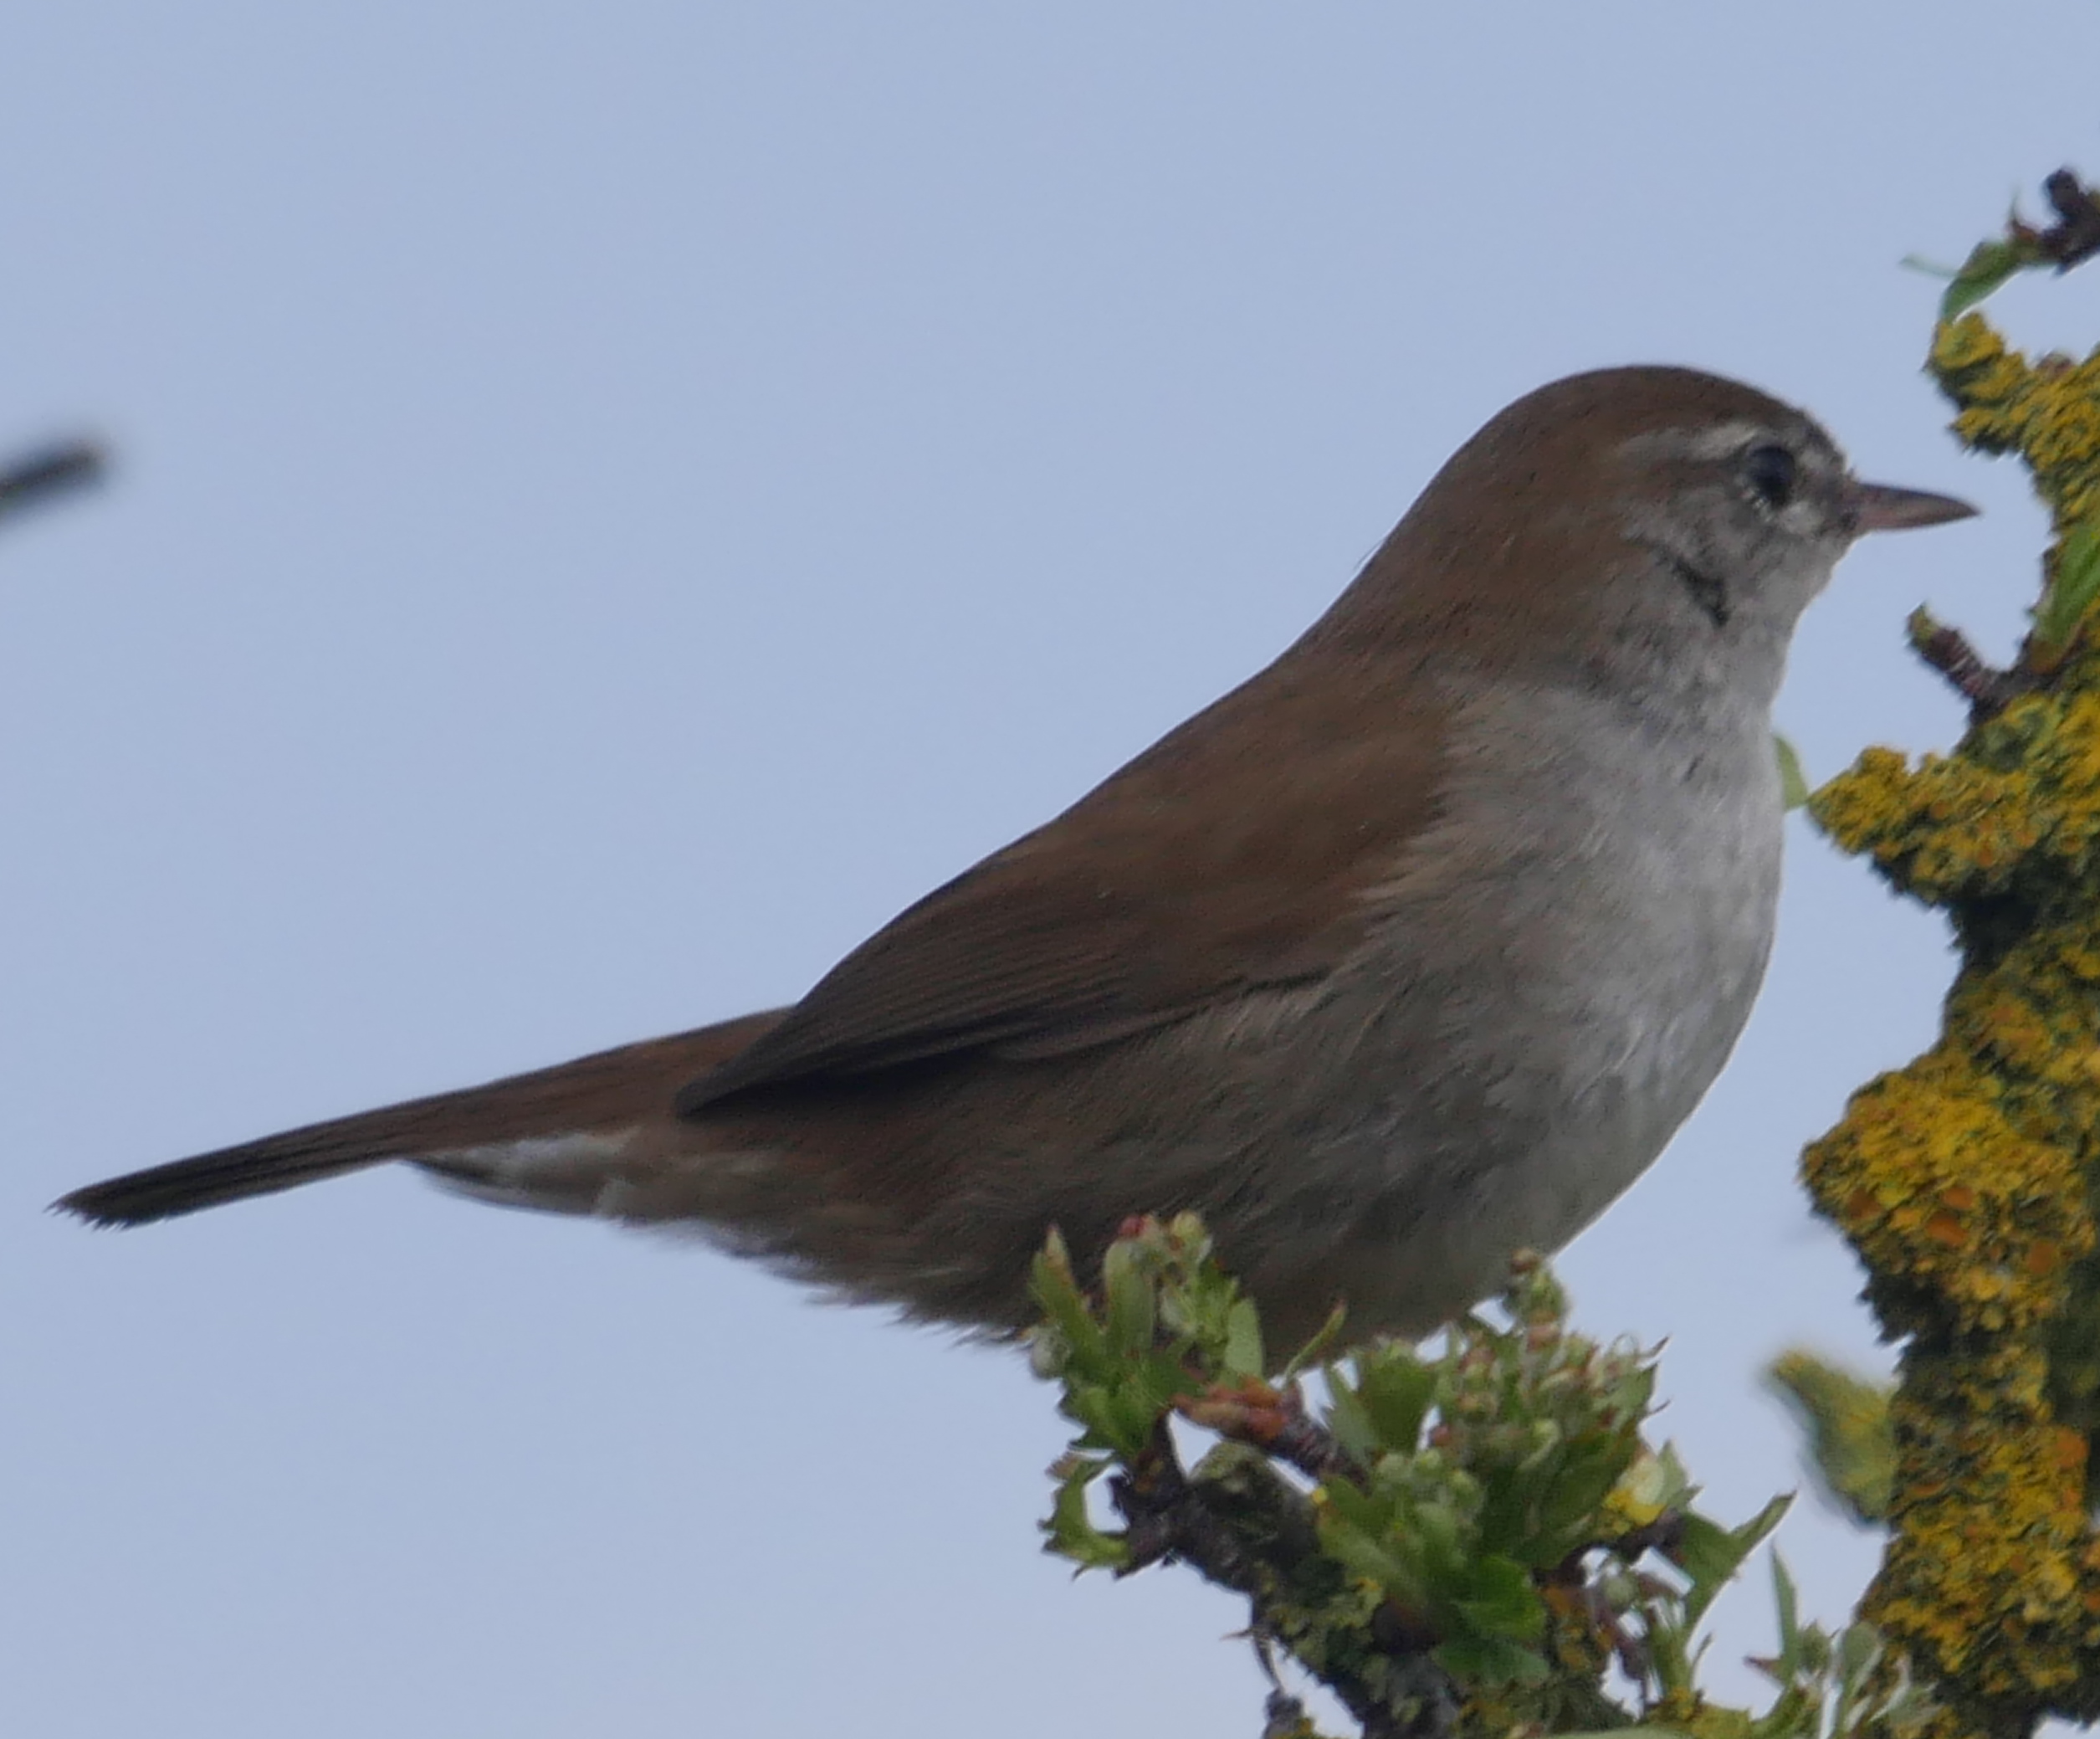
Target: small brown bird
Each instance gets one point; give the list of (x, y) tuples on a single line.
[(1413, 950)]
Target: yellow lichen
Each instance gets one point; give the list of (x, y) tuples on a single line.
[(1965, 1180), (2024, 789), (2047, 413)]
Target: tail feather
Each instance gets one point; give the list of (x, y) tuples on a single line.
[(611, 1091), (255, 1168)]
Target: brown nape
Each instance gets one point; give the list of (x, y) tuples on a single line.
[(609, 1090)]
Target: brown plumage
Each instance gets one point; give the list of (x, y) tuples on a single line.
[(1412, 949), (593, 1091)]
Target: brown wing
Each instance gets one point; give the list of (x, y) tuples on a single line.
[(1231, 854)]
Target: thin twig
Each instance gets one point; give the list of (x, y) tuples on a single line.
[(49, 471), (1168, 1516), (2075, 236), (1988, 689), (1274, 1421)]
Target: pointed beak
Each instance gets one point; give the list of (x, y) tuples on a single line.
[(1878, 507)]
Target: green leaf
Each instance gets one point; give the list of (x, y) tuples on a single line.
[(1357, 1552), (1794, 787), (1989, 265), (1164, 1379), (1056, 1290), (1859, 1651), (1440, 1533), (1851, 1443), (1586, 1481), (1133, 1412), (1395, 1389), (1313, 1352), (1506, 1520), (1071, 1532), (1677, 1490), (1755, 1532), (1132, 1298), (1670, 1659), (1502, 1602), (1244, 1354), (1790, 1621), (1710, 1555), (1347, 1420), (2072, 592), (1098, 1408), (1489, 1661), (1354, 1507)]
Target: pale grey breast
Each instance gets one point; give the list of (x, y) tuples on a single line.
[(1576, 945)]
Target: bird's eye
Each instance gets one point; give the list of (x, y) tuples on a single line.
[(1770, 470)]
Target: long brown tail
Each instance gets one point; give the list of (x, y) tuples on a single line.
[(610, 1089), (254, 1168)]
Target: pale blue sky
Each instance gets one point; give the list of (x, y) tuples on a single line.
[(612, 503)]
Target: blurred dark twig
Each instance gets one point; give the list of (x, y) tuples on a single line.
[(2075, 236), (47, 472)]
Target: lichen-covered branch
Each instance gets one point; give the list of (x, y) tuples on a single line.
[(1965, 1180)]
